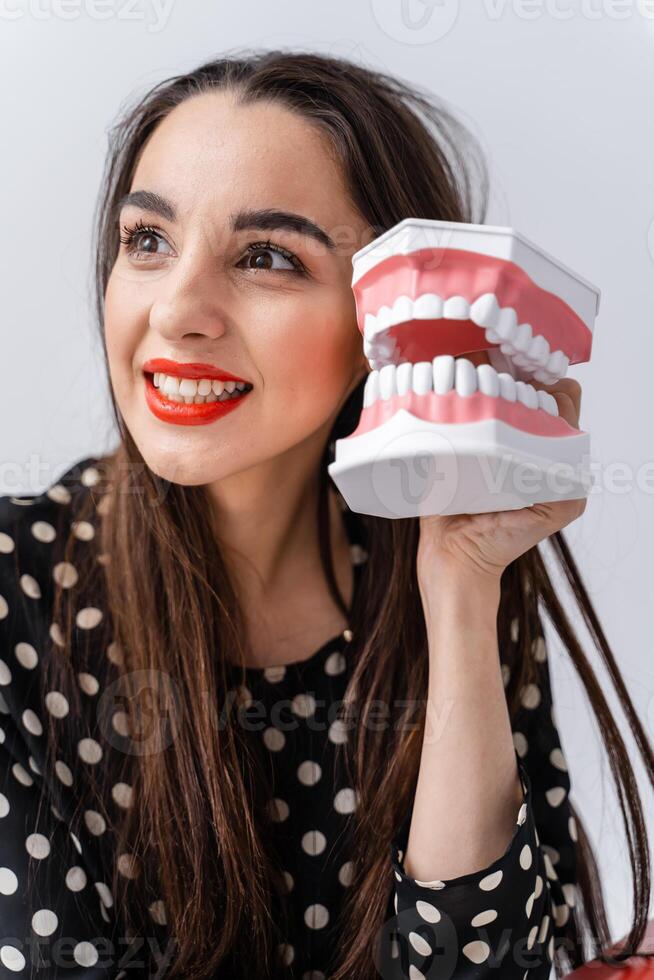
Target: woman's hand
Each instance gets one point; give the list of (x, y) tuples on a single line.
[(480, 546)]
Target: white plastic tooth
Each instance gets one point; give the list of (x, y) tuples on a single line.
[(557, 363), (443, 371), (188, 388), (380, 347), (539, 350), (369, 326), (520, 343), (544, 376), (217, 387), (387, 387), (507, 386), (403, 377), (371, 389), (547, 402), (171, 385), (402, 309), (526, 394), (384, 316), (485, 311), (465, 377), (429, 306), (456, 308), (506, 327), (422, 378), (487, 380)]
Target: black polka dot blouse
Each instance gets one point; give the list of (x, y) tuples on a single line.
[(500, 921)]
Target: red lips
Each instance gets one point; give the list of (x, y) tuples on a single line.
[(193, 370)]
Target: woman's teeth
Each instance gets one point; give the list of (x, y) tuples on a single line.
[(446, 373), (189, 390)]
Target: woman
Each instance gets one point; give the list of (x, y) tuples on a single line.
[(234, 746)]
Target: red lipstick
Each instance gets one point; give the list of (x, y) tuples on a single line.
[(188, 413)]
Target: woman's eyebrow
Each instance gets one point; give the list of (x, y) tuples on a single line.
[(266, 219)]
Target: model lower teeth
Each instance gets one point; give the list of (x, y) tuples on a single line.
[(190, 391)]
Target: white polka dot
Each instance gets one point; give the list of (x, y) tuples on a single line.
[(105, 895), (8, 881), (491, 881), (515, 630), (544, 926), (530, 904), (530, 696), (31, 722), (572, 828), (415, 973), (561, 914), (556, 795), (506, 674), (26, 655), (75, 840), (34, 765), (120, 723), (4, 608), (95, 822), (90, 476), (303, 705), (158, 912), (6, 544), (278, 809), (37, 846), (286, 953), (85, 954), (5, 673), (419, 943), (522, 814), (128, 865), (538, 887), (43, 531), (76, 878), (65, 574), (274, 674), (436, 885), (89, 750), (483, 918), (21, 774), (316, 916), (88, 617), (314, 842), (59, 493), (428, 912), (335, 663), (274, 739), (64, 773), (4, 805), (122, 794), (570, 894), (309, 772), (337, 732), (115, 654), (520, 743), (346, 873), (30, 586), (345, 800), (56, 634), (525, 857), (44, 922), (476, 951), (12, 958), (88, 683), (531, 938), (539, 649), (550, 948), (358, 555), (56, 704), (83, 530), (288, 881)]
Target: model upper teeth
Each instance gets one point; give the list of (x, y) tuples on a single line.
[(446, 373), (192, 390), (529, 352)]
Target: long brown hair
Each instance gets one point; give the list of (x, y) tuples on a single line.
[(175, 615)]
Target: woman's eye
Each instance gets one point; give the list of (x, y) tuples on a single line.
[(142, 241), (265, 257)]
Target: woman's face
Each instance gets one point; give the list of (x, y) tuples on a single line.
[(194, 289)]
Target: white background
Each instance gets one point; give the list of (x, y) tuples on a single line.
[(560, 93)]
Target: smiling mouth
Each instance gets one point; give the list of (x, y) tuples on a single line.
[(191, 391)]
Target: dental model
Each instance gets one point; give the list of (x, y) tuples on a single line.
[(437, 434)]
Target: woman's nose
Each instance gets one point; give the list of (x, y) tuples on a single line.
[(191, 303)]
